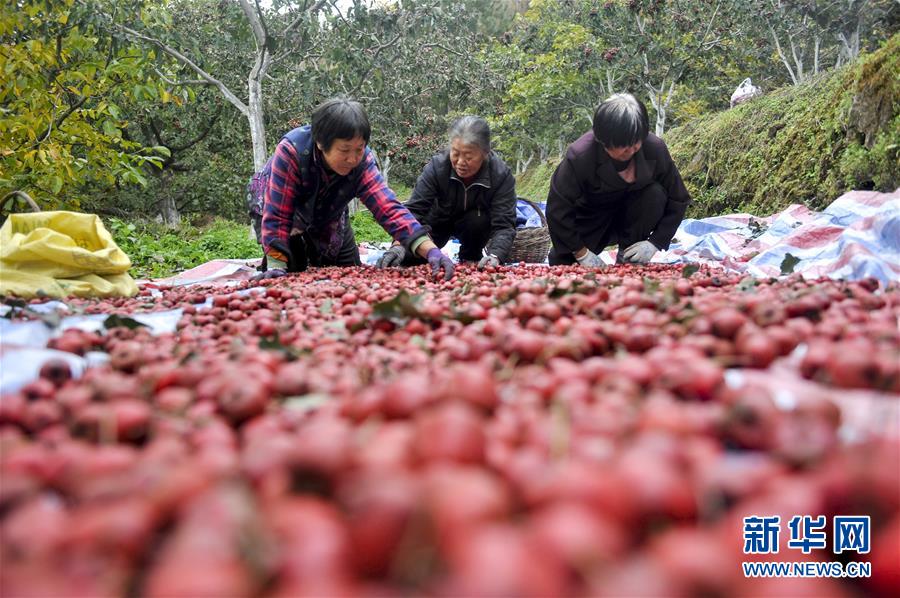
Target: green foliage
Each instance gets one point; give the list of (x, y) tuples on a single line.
[(367, 229), (158, 252), (64, 87), (803, 144), (534, 183)]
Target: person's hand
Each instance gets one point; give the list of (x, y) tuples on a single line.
[(489, 261), (392, 257), (438, 261), (590, 260), (639, 253), (270, 273)]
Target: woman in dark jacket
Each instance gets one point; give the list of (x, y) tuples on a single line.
[(467, 192), (617, 185)]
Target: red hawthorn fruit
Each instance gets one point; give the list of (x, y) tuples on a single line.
[(750, 419), (41, 413), (132, 418), (727, 321), (884, 557), (450, 432), (241, 399), (583, 538), (174, 399), (850, 366), (42, 388), (58, 371), (503, 560), (473, 384), (460, 497), (380, 507), (757, 349), (695, 558)]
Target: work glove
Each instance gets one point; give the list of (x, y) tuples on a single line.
[(270, 273), (438, 261), (489, 261), (392, 257), (639, 253), (590, 260)]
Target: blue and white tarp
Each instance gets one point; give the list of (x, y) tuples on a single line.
[(857, 236)]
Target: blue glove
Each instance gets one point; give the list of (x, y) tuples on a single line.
[(392, 257), (590, 260), (639, 253), (438, 262)]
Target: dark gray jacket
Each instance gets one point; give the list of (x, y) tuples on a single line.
[(440, 198)]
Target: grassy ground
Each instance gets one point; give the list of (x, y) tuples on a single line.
[(157, 252)]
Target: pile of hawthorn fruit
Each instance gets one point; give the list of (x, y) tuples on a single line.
[(524, 431)]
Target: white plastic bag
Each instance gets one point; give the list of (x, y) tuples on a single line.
[(744, 92)]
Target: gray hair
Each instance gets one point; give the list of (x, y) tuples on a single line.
[(471, 130), (621, 121)]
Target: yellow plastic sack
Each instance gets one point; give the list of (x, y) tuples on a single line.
[(57, 254)]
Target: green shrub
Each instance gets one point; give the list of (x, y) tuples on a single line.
[(534, 183), (804, 144), (158, 252), (367, 229)]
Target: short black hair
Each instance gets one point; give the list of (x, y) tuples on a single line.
[(621, 121), (339, 118)]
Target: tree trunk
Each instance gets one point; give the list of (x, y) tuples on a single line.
[(660, 100), (255, 115), (168, 211), (386, 169)]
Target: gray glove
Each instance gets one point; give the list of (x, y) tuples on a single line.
[(489, 261), (439, 261), (639, 253), (392, 257), (590, 260), (270, 273)]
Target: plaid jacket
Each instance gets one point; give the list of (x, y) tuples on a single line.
[(302, 190)]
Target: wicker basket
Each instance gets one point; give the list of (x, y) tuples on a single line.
[(532, 243)]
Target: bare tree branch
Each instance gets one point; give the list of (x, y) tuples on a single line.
[(300, 18), (372, 63), (229, 95), (180, 83)]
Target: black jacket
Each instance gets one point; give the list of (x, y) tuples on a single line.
[(440, 198), (586, 187)]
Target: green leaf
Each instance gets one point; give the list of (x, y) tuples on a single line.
[(56, 183), (401, 307), (690, 270), (115, 321), (747, 283), (162, 150), (275, 344), (788, 263)]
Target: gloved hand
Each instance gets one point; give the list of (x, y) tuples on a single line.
[(639, 253), (488, 261), (590, 260), (439, 261), (392, 257), (270, 273)]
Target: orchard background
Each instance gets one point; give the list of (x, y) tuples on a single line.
[(158, 112)]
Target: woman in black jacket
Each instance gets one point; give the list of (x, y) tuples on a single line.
[(467, 192)]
